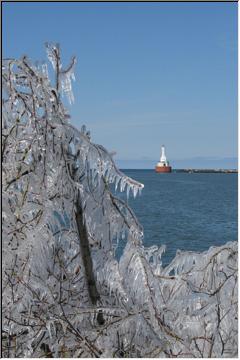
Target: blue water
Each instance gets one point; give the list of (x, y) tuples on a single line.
[(185, 211)]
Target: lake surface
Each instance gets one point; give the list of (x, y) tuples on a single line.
[(185, 211)]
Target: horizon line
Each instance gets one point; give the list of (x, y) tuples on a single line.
[(188, 168)]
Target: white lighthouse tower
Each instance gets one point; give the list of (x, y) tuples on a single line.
[(163, 158), (163, 164)]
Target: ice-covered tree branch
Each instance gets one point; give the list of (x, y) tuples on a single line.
[(64, 292)]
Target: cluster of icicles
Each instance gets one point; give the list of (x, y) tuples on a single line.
[(64, 292)]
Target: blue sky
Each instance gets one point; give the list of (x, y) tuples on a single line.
[(147, 74)]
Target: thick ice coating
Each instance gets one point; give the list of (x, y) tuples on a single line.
[(64, 293)]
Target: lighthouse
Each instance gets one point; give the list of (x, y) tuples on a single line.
[(163, 165)]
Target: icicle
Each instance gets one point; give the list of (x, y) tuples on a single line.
[(117, 179), (50, 49), (128, 189), (51, 328), (135, 191), (66, 85), (122, 184), (45, 70)]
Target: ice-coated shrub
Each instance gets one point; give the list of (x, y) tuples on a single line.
[(64, 292)]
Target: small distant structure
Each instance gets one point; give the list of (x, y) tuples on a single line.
[(163, 165)]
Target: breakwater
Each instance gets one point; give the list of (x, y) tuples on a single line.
[(218, 171)]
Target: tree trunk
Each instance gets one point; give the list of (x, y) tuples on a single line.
[(86, 254)]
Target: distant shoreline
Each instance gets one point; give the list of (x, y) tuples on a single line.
[(191, 171)]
